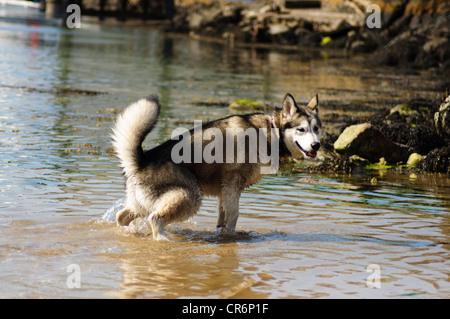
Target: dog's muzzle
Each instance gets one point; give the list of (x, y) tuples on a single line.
[(313, 153)]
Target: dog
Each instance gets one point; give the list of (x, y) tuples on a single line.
[(164, 190)]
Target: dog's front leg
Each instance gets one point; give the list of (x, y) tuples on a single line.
[(221, 218), (229, 201)]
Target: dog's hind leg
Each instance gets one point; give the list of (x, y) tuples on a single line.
[(124, 217), (157, 224), (176, 204)]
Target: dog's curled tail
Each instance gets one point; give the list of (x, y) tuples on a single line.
[(130, 130)]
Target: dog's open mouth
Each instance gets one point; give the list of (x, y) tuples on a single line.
[(311, 154)]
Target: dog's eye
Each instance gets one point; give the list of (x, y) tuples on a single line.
[(316, 128), (301, 130)]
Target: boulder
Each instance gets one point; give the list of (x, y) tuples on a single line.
[(368, 142)]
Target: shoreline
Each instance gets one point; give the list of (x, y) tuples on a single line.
[(405, 39)]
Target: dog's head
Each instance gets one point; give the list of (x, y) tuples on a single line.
[(300, 126)]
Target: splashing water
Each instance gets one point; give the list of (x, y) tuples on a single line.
[(110, 214)]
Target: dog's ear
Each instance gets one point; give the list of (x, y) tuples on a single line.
[(289, 105), (314, 104)]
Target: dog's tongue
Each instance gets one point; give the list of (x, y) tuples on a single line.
[(312, 154)]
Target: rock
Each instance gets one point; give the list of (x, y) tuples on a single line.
[(417, 111), (265, 9), (368, 142), (417, 41), (411, 124), (358, 46), (442, 119), (420, 138), (437, 161), (363, 41), (325, 41), (414, 159), (403, 109), (350, 7), (195, 20), (403, 52), (282, 33), (433, 44), (278, 28), (411, 36)]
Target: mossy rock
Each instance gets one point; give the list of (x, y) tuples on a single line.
[(381, 165), (414, 159), (404, 109), (246, 104)]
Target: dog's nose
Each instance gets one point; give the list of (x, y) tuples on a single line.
[(315, 146)]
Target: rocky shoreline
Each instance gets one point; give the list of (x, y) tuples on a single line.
[(415, 34), (411, 137), (412, 33)]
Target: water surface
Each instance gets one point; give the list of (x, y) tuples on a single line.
[(299, 235)]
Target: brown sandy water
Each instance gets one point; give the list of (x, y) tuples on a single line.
[(299, 235)]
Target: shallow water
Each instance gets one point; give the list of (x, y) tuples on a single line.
[(299, 235)]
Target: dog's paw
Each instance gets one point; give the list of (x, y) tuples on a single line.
[(223, 231), (124, 217), (161, 237)]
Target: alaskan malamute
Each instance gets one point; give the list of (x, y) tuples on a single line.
[(167, 183)]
